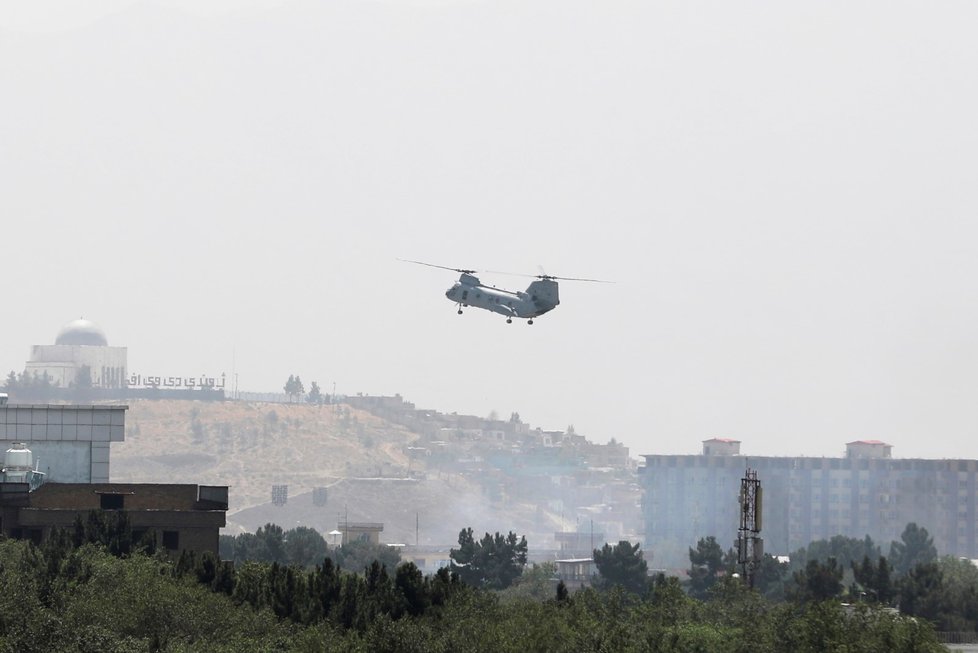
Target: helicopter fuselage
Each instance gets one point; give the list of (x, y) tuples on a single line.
[(540, 297)]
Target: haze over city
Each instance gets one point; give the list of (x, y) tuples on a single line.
[(783, 195)]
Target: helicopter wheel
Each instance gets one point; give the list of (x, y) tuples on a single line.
[(509, 320), (529, 321), (460, 311)]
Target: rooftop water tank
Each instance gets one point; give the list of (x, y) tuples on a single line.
[(18, 458), (18, 467)]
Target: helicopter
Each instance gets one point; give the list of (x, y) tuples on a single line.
[(540, 296)]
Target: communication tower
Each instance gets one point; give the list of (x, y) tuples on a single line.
[(750, 546)]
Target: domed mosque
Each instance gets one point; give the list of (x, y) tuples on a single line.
[(80, 344), (83, 333)]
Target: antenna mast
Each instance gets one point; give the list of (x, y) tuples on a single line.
[(750, 546)]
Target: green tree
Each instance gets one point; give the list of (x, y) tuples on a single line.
[(921, 590), (324, 588), (225, 546), (294, 387), (412, 589), (915, 547), (83, 383), (874, 579), (110, 529), (83, 378), (357, 555), (315, 395), (304, 546), (706, 565), (818, 581), (493, 562), (883, 582), (11, 384), (622, 565), (26, 381), (959, 594), (536, 583), (769, 578), (845, 550), (267, 544)]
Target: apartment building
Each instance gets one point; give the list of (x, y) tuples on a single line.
[(866, 492)]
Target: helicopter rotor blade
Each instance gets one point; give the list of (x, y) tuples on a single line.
[(512, 274), (552, 277), (543, 275), (440, 267)]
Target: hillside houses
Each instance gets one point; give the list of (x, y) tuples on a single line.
[(573, 480)]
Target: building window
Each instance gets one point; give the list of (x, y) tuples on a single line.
[(111, 501), (171, 540)]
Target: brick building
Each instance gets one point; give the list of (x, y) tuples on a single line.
[(180, 516)]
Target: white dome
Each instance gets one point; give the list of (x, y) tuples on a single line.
[(81, 332)]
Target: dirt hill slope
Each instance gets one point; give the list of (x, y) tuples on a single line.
[(251, 446), (357, 457)]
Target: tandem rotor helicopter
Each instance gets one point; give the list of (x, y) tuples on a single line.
[(538, 298)]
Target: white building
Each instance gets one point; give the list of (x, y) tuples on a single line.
[(80, 344)]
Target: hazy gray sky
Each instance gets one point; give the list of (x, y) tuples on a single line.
[(784, 192)]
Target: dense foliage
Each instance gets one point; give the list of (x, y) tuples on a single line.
[(86, 599), (304, 547), (91, 588)]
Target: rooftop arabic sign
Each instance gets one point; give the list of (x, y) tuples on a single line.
[(181, 382)]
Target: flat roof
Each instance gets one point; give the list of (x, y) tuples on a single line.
[(68, 406)]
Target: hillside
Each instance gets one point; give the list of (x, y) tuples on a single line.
[(359, 458)]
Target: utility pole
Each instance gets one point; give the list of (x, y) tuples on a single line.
[(750, 546)]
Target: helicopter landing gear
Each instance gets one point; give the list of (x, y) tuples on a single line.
[(460, 311), (529, 321), (509, 320)]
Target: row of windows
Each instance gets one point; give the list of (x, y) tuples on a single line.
[(843, 465), (170, 539)]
